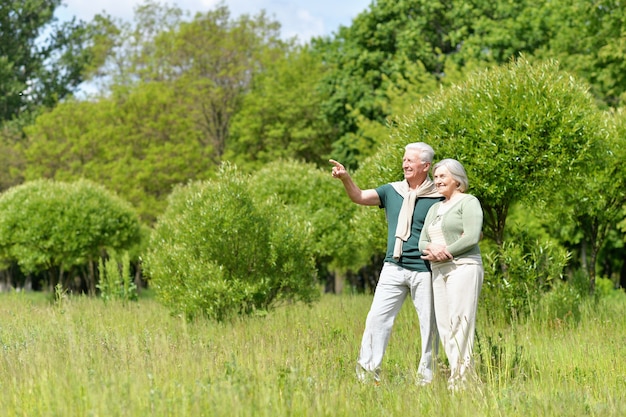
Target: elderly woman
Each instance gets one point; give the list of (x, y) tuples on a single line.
[(449, 240)]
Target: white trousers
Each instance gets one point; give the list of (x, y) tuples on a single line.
[(456, 289), (394, 284)]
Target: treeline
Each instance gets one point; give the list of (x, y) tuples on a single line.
[(528, 95)]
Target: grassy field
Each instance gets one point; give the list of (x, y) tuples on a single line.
[(84, 357)]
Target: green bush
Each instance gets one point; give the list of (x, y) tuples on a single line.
[(52, 227), (315, 196), (218, 252), (524, 268), (605, 288), (561, 304)]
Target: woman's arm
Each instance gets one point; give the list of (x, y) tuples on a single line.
[(472, 219)]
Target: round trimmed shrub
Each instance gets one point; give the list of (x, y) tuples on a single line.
[(217, 252), (50, 226)]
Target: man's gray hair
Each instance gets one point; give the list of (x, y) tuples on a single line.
[(427, 153)]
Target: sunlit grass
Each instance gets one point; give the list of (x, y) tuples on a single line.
[(84, 357)]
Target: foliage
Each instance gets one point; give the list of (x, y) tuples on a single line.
[(586, 217), (55, 226), (511, 127), (217, 252), (116, 282), (385, 43), (606, 289), (560, 305), (182, 94), (210, 61), (11, 155), (588, 39), (454, 38), (280, 116), (167, 117), (401, 91), (41, 61), (139, 143), (302, 190), (534, 267), (382, 43)]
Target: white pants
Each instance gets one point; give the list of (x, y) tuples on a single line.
[(455, 290), (394, 284)]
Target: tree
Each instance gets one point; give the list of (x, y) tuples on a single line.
[(167, 116), (595, 204), (41, 62), (588, 40), (139, 143), (211, 60), (512, 127), (57, 227), (383, 44), (11, 155), (280, 117)]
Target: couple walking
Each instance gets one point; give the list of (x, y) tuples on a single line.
[(432, 256)]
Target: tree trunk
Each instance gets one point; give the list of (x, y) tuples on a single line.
[(51, 280), (340, 279), (622, 274), (91, 279), (138, 275), (595, 249), (60, 281), (583, 255)]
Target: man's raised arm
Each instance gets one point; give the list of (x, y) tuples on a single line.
[(363, 197)]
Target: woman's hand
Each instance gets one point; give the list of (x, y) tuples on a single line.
[(436, 253)]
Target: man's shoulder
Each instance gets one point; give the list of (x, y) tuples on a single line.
[(385, 189)]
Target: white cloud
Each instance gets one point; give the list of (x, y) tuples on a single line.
[(301, 18)]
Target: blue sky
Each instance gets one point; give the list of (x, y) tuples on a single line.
[(301, 18)]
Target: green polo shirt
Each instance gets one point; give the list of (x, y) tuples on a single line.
[(391, 201)]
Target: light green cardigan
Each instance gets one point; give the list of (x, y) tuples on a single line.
[(461, 224)]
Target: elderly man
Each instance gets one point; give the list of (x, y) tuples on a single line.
[(404, 272)]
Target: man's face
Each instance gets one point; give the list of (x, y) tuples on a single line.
[(413, 167)]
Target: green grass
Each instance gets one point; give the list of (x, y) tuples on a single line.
[(84, 357)]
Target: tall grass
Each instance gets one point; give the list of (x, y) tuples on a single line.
[(84, 357)]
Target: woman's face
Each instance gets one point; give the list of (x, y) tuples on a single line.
[(444, 182)]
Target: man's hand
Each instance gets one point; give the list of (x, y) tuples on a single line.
[(363, 197), (339, 171)]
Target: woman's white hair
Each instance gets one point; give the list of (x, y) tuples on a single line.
[(456, 171)]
